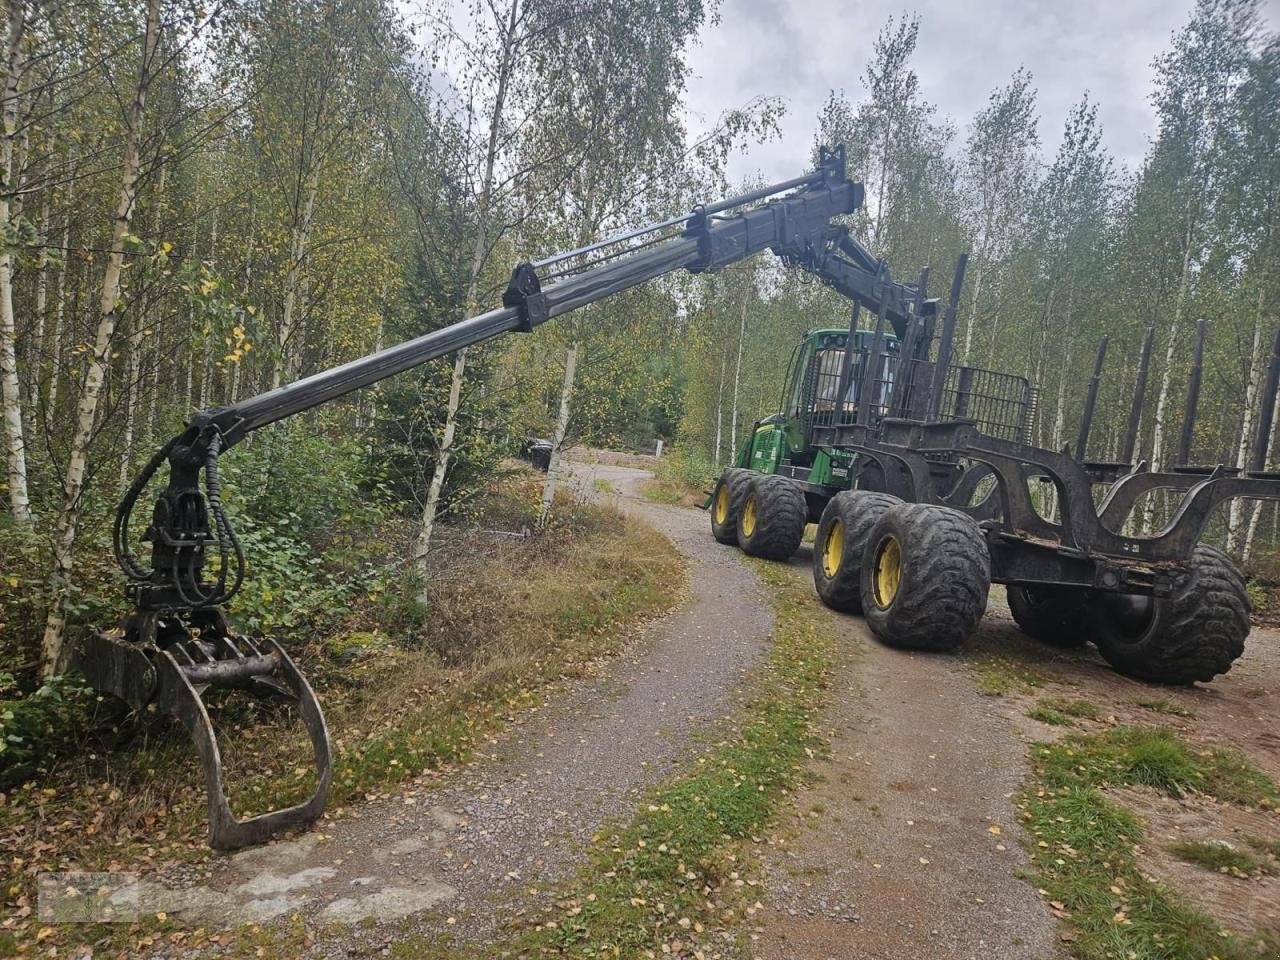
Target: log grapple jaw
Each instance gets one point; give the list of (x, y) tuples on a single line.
[(177, 645)]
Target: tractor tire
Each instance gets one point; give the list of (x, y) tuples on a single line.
[(1057, 616), (726, 504), (1195, 634), (773, 517), (925, 576), (840, 544)]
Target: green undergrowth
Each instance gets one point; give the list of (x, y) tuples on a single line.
[(668, 882), (528, 613), (1084, 847)]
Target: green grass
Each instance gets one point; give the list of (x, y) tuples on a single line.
[(672, 873), (1158, 758), (1061, 712), (1082, 845), (673, 491), (1218, 857), (1165, 706), (604, 486), (998, 675)]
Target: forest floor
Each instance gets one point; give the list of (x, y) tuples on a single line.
[(1011, 801)]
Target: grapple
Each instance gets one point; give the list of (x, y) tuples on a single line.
[(171, 661)]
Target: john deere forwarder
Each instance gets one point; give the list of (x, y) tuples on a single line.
[(926, 489), (890, 463)]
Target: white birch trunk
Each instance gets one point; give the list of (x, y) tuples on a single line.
[(133, 372), (53, 347), (562, 428), (10, 390), (68, 522), (35, 358), (1257, 504), (423, 546), (1235, 513), (1166, 375), (478, 252), (724, 363), (737, 374), (973, 313), (298, 249)]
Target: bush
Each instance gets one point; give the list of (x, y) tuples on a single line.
[(37, 728), (687, 467)]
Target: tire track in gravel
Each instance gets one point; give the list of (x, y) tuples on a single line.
[(906, 843), (460, 851)]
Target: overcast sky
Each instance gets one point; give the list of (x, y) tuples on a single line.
[(801, 49)]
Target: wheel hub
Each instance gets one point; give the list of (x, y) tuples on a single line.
[(1132, 614), (722, 503), (749, 516), (833, 549), (887, 571)]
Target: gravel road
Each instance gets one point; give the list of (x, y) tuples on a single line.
[(906, 843), (459, 853)]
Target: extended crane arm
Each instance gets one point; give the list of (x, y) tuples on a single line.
[(177, 642)]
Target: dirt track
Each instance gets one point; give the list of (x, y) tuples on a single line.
[(463, 852), (905, 844)]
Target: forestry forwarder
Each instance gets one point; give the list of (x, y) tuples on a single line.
[(926, 489), (845, 463)]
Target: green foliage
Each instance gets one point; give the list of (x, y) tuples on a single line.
[(303, 506), (1218, 857), (36, 729), (687, 467)]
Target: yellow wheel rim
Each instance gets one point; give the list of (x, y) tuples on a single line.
[(887, 572), (749, 516), (833, 549), (722, 503)]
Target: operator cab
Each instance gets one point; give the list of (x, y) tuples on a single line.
[(815, 394)]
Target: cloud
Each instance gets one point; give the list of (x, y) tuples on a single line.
[(802, 49)]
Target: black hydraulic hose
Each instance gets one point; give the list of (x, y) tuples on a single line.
[(225, 532), (125, 557)]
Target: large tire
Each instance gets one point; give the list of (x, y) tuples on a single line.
[(773, 517), (925, 576), (1057, 616), (1194, 634), (840, 544), (729, 493)]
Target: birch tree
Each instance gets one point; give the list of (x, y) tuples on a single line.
[(998, 172), (1195, 84), (99, 356), (16, 66)]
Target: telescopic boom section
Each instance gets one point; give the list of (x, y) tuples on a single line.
[(798, 223)]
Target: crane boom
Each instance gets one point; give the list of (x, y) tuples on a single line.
[(177, 641)]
